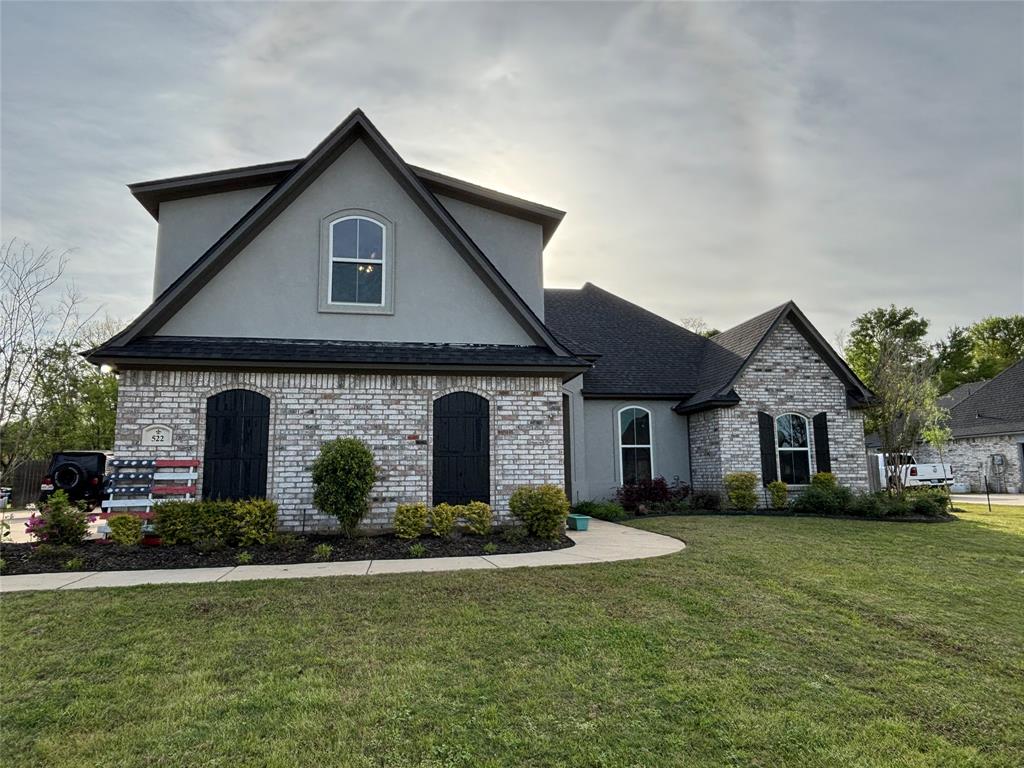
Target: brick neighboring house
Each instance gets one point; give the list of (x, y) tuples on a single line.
[(987, 422), (351, 294)]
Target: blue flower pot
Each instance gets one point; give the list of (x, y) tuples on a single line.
[(578, 522)]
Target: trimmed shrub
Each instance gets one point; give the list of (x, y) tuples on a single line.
[(442, 519), (824, 480), (927, 502), (59, 522), (323, 552), (125, 530), (820, 499), (514, 534), (778, 494), (708, 501), (243, 558), (247, 522), (646, 492), (478, 517), (542, 509), (611, 511), (343, 475), (410, 520), (417, 550), (869, 504), (740, 487), (255, 521)]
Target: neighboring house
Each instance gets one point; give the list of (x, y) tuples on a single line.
[(987, 422), (351, 294)]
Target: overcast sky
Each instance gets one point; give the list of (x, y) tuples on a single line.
[(714, 159)]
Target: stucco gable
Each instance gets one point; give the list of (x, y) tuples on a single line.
[(270, 288)]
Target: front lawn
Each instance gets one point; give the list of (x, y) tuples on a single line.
[(768, 641)]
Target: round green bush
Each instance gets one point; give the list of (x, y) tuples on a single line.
[(59, 522), (343, 475), (478, 517), (410, 520), (611, 511), (778, 494), (442, 519), (125, 530), (542, 509), (740, 488), (824, 480)]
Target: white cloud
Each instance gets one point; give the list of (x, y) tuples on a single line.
[(715, 159)]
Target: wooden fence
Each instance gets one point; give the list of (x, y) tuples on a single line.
[(25, 480)]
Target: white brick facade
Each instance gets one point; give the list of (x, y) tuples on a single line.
[(785, 376), (391, 413), (971, 458)]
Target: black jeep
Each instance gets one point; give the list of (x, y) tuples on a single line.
[(78, 473)]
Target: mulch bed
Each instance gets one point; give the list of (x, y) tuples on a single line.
[(946, 518), (107, 556)]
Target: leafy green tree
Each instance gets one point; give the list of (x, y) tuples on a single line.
[(954, 356), (998, 343), (896, 328)]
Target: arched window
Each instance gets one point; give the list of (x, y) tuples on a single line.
[(357, 274), (794, 448), (635, 457)]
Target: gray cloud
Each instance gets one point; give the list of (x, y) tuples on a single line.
[(715, 159)]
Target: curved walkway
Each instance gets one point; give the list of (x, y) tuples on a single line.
[(603, 543)]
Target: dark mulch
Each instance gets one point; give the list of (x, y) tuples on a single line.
[(106, 556), (948, 517)]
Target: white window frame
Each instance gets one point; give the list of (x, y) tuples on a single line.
[(622, 446), (328, 260), (779, 449)]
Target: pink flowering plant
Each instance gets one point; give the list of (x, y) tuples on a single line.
[(59, 521)]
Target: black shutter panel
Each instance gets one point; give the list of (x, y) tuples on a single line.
[(766, 428), (821, 452)]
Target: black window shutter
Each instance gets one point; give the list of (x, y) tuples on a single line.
[(821, 452), (766, 428)]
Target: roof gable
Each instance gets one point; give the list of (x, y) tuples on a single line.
[(355, 127)]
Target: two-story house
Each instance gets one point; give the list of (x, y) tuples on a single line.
[(351, 294)]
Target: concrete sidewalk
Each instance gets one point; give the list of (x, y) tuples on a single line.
[(1011, 499), (603, 543)]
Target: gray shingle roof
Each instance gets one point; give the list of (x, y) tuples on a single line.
[(997, 407), (329, 353), (642, 354), (956, 395)]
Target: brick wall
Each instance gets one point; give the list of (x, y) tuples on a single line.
[(390, 413), (786, 376), (970, 457)]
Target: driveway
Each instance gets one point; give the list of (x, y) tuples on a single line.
[(1010, 499)]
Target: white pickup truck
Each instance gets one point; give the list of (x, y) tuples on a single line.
[(912, 473)]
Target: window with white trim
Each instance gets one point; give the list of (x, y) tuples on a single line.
[(358, 261), (635, 454), (793, 445)]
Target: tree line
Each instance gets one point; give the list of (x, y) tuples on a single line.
[(51, 399)]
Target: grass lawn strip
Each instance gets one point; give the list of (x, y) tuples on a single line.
[(768, 641)]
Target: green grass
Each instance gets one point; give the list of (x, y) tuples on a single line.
[(767, 642)]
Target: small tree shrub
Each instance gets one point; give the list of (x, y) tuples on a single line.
[(478, 517), (59, 522), (343, 475), (740, 487), (778, 494), (824, 480), (255, 521), (542, 509), (410, 520), (125, 530), (442, 519)]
